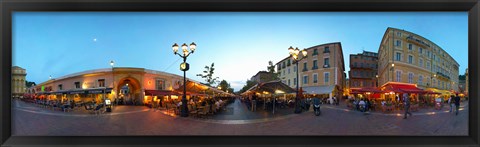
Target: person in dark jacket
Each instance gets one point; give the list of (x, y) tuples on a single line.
[(457, 104)]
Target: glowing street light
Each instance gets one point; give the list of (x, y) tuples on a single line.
[(294, 53), (184, 67)]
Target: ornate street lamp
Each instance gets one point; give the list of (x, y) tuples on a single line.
[(114, 93), (294, 53), (184, 67)]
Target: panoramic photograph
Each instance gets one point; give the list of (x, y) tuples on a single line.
[(240, 73)]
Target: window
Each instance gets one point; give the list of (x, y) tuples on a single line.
[(399, 34), (288, 70), (410, 77), (101, 83), (326, 50), (305, 66), (399, 76), (410, 59), (315, 64), (77, 85), (326, 61), (326, 76), (410, 46), (305, 79), (428, 64), (288, 82), (428, 53), (315, 52), (160, 84), (315, 78), (420, 62), (398, 43), (288, 62), (398, 57), (60, 87), (420, 80), (294, 81), (420, 50), (361, 64), (355, 64), (295, 68)]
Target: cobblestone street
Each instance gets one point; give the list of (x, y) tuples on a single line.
[(29, 119)]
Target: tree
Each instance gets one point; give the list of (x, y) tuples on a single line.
[(271, 70), (29, 84), (248, 85), (224, 85), (271, 67), (208, 75)]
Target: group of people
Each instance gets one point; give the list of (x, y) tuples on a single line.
[(67, 104), (362, 105)]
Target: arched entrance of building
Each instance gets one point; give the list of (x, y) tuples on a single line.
[(129, 91)]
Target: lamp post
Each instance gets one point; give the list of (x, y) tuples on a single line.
[(294, 53), (113, 83), (184, 67)]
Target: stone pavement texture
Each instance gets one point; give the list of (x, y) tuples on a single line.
[(29, 120)]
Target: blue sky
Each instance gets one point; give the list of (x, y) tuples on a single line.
[(239, 43)]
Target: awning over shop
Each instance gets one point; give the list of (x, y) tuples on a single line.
[(270, 87), (364, 90), (319, 89), (401, 88), (160, 92), (438, 91)]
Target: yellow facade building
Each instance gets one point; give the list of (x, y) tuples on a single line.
[(125, 84), (322, 72), (410, 58), (18, 81)]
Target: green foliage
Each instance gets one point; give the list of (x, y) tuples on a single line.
[(29, 84), (247, 86), (208, 75)]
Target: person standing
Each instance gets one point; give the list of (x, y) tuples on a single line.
[(450, 102), (457, 104), (407, 105)]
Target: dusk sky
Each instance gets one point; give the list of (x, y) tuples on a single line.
[(239, 43)]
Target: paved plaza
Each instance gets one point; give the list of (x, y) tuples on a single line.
[(31, 120)]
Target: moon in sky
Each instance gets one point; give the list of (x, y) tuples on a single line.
[(94, 39)]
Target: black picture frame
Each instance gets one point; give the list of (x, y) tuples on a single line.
[(7, 7)]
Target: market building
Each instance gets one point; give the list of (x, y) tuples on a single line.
[(363, 70), (18, 81), (123, 85), (322, 72), (406, 57)]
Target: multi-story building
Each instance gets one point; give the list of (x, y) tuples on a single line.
[(462, 83), (136, 85), (363, 70), (18, 81), (406, 57), (263, 76), (322, 72), (466, 81)]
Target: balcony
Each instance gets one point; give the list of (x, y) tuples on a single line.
[(305, 69), (314, 67), (327, 51), (326, 66)]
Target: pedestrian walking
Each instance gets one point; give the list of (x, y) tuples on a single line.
[(406, 98), (457, 104)]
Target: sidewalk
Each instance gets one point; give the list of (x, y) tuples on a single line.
[(423, 111)]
